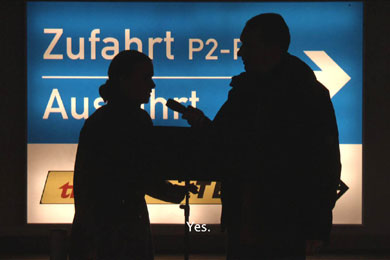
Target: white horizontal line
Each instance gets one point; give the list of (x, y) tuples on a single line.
[(74, 77), (225, 51), (156, 77), (192, 77)]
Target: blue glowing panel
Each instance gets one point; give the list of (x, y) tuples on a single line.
[(193, 45)]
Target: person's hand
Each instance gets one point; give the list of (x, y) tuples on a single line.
[(313, 246), (182, 190), (192, 188), (195, 117)]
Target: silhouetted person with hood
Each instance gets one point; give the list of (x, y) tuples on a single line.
[(113, 169), (278, 148)]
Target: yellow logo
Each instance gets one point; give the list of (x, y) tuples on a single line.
[(59, 190)]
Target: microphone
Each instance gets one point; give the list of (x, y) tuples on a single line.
[(175, 106), (196, 119)]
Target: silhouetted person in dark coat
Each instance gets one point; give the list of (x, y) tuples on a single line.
[(279, 152), (112, 170)]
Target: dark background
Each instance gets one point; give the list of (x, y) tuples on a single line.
[(373, 235)]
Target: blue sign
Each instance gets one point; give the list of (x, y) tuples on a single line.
[(194, 50)]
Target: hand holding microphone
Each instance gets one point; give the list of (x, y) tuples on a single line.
[(194, 116)]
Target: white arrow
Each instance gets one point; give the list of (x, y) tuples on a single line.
[(331, 75)]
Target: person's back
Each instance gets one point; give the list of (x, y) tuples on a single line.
[(280, 121), (279, 149), (109, 195), (112, 173)]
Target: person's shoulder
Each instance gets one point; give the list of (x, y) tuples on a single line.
[(128, 116), (99, 118), (143, 117), (100, 114), (302, 78), (94, 125), (297, 69)]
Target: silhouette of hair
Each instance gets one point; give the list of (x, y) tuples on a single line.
[(272, 29), (123, 64)]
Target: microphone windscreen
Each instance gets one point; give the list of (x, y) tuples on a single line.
[(176, 106)]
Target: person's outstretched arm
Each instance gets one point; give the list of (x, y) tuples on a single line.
[(166, 191)]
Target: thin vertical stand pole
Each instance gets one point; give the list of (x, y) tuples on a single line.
[(186, 208)]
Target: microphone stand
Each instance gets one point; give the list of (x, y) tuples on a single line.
[(176, 106), (186, 208)]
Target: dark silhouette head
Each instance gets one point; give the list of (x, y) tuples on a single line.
[(272, 29), (265, 38), (129, 78)]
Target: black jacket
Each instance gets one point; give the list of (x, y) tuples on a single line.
[(281, 160), (113, 172)]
